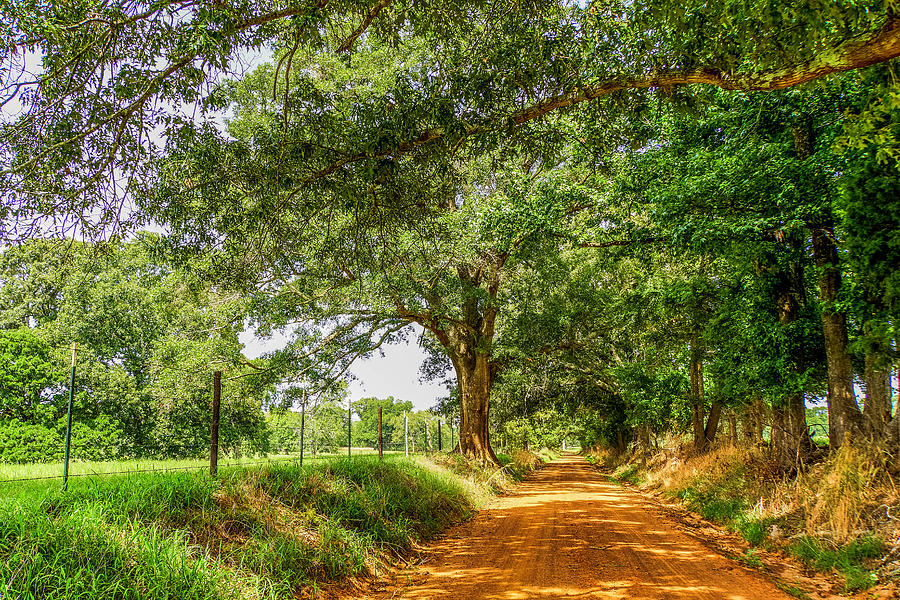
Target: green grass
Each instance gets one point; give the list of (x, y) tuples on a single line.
[(84, 468), (261, 532), (628, 474), (549, 454), (750, 558), (792, 590), (730, 511), (848, 560), (46, 476)]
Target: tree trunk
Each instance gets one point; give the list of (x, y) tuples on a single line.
[(895, 431), (732, 428), (748, 425), (758, 413), (698, 410), (760, 426), (790, 434), (844, 416), (644, 437), (467, 341), (620, 441), (473, 373), (712, 424), (877, 409)]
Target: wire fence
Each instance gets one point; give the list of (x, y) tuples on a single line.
[(200, 467), (32, 472)]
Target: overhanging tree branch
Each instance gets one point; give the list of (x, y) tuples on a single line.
[(856, 53), (372, 14)]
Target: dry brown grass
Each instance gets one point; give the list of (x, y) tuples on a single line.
[(839, 498), (609, 458), (845, 494), (525, 460)]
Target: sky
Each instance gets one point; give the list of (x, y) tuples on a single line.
[(396, 373)]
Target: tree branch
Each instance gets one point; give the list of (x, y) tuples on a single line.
[(348, 43), (856, 53), (613, 243)]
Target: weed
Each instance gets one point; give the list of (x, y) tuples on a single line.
[(630, 474), (792, 590), (742, 489), (838, 492), (750, 558), (848, 559), (751, 529)]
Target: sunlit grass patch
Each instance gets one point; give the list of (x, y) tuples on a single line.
[(263, 532), (847, 559)]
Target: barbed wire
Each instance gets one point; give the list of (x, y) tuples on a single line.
[(163, 469)]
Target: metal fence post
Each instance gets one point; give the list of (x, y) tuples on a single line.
[(440, 437), (302, 424), (380, 441), (214, 430), (349, 409), (69, 419), (405, 433)]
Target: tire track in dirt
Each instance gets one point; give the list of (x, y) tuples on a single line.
[(568, 533)]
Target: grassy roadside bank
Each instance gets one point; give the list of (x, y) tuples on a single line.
[(275, 531), (832, 516)]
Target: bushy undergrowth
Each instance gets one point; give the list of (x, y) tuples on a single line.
[(22, 443), (253, 533), (825, 516)]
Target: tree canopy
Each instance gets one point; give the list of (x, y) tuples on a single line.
[(664, 214), (96, 91)]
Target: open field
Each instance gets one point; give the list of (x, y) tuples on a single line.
[(27, 478)]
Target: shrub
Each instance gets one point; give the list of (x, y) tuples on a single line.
[(29, 443), (100, 440)]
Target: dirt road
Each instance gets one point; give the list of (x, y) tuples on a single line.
[(568, 533)]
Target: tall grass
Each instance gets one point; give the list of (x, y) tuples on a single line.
[(263, 532)]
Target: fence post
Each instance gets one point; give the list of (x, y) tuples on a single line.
[(440, 437), (214, 431), (380, 442), (349, 408), (405, 433), (69, 419), (427, 443), (302, 424)]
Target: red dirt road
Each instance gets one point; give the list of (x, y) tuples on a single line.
[(568, 533)]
